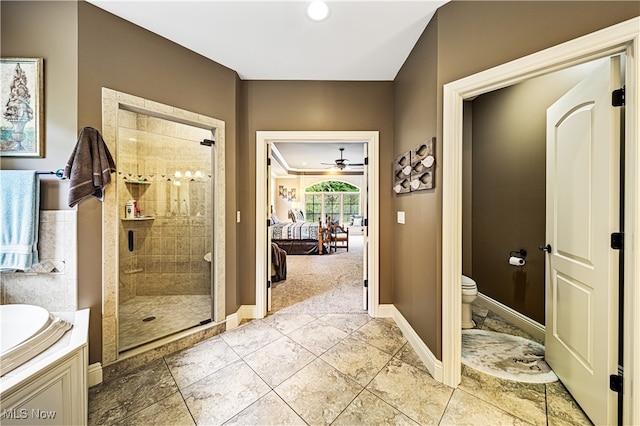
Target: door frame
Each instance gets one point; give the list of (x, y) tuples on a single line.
[(372, 138), (621, 38)]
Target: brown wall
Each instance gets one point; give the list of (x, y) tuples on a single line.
[(313, 105), (114, 53), (32, 30), (416, 254), (477, 35), (471, 36), (509, 151)]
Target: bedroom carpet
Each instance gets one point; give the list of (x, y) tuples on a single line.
[(322, 284)]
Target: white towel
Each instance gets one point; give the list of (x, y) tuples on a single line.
[(19, 219)]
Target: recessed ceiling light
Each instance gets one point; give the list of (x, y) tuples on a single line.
[(318, 11)]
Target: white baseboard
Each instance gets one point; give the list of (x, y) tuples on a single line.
[(232, 321), (514, 317), (386, 311), (434, 366), (94, 374), (243, 312)]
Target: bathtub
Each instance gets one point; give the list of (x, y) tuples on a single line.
[(26, 331), (43, 363)]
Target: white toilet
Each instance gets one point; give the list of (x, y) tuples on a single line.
[(469, 294)]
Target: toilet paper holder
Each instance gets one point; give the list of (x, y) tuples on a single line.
[(517, 257), (520, 253)]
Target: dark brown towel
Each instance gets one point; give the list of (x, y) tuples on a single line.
[(279, 261), (89, 168)]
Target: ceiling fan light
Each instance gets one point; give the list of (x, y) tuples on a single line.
[(318, 11)]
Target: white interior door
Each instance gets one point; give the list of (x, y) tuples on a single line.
[(582, 270), (365, 228), (268, 282)]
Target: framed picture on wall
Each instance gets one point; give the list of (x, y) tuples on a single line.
[(21, 99)]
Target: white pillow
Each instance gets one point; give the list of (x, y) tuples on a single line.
[(357, 221)]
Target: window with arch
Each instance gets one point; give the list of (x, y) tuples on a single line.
[(336, 199)]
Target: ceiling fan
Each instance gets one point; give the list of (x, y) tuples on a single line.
[(342, 163)]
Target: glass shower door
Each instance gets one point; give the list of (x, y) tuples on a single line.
[(165, 251)]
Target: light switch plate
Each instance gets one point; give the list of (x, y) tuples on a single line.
[(401, 217), (238, 216)]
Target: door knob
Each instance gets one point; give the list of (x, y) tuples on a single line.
[(546, 248)]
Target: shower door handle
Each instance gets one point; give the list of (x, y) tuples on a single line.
[(546, 248), (130, 240)]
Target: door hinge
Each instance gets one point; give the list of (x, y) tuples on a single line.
[(615, 382), (617, 241), (366, 283), (365, 222), (207, 142), (268, 161), (268, 284), (366, 161), (617, 97), (268, 223)]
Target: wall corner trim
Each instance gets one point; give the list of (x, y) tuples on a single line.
[(94, 374), (243, 312), (434, 366), (232, 321), (386, 311)]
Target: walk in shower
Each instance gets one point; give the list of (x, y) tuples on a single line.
[(165, 187)]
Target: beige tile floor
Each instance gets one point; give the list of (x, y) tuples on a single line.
[(171, 314), (339, 369)]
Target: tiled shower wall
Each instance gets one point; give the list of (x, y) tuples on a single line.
[(154, 158), (52, 283)]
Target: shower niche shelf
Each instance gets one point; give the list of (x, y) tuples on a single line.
[(134, 219), (138, 182)]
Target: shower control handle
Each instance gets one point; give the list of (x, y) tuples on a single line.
[(546, 248)]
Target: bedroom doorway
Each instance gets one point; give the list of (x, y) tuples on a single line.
[(370, 196), (306, 278)]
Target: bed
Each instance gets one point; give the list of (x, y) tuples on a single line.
[(300, 237)]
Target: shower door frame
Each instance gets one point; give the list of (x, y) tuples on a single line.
[(112, 102)]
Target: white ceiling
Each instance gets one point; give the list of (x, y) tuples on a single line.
[(311, 156), (274, 40)]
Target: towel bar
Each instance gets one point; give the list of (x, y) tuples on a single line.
[(59, 173)]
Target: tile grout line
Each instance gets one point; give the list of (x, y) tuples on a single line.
[(184, 401), (446, 407)]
